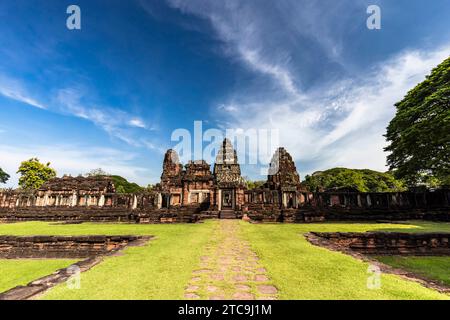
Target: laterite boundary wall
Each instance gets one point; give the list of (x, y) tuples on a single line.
[(97, 214), (56, 247), (385, 243)]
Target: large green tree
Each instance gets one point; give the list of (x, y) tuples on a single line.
[(362, 180), (253, 184), (34, 174), (96, 173), (419, 134), (122, 185), (3, 176)]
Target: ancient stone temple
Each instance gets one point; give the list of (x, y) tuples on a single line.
[(281, 196), (193, 192), (76, 191), (284, 178), (171, 180), (189, 186), (65, 192), (229, 183), (195, 184), (198, 184)]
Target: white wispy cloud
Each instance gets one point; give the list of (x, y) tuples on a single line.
[(270, 36), (159, 148), (75, 101), (75, 160), (339, 123), (15, 90), (138, 123), (344, 126), (241, 26)]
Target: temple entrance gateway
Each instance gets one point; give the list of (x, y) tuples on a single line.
[(228, 180), (228, 202)]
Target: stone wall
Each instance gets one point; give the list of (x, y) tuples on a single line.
[(55, 247), (268, 205), (186, 214), (260, 205), (385, 243), (193, 192), (78, 199), (81, 214)]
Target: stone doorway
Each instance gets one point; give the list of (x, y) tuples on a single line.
[(165, 203), (228, 199)]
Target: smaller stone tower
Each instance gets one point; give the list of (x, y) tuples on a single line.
[(284, 178)]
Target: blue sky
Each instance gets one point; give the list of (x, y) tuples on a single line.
[(110, 95)]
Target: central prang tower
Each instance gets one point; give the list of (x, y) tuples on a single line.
[(230, 185)]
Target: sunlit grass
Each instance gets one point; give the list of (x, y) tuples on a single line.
[(304, 271), (15, 273), (163, 268), (434, 268)]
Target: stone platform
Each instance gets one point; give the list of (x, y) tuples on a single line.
[(385, 243)]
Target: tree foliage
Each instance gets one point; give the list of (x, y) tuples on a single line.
[(120, 189), (253, 184), (124, 186), (96, 173), (419, 134), (3, 176), (34, 174), (362, 180)]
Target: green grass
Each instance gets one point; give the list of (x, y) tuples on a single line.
[(303, 271), (162, 268), (159, 270), (418, 226), (434, 268), (20, 272)]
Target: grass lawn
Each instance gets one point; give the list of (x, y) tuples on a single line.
[(303, 271), (163, 268), (435, 268), (159, 270), (20, 272)]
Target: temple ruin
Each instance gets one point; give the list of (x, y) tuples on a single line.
[(193, 192)]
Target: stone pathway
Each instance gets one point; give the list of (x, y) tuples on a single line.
[(229, 269)]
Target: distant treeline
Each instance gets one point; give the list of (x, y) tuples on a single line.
[(361, 180)]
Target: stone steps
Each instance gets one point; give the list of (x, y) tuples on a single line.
[(227, 214)]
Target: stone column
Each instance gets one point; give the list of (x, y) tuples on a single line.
[(134, 206), (74, 200), (369, 201), (159, 201), (101, 202)]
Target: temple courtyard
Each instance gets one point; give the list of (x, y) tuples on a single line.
[(231, 259)]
